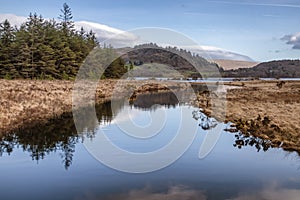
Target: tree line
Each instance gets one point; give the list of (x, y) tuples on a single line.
[(45, 49)]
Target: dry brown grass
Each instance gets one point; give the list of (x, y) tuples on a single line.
[(265, 99), (26, 102)]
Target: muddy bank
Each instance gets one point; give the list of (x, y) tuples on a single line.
[(269, 110), (27, 102)]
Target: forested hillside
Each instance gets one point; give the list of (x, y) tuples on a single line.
[(180, 60)]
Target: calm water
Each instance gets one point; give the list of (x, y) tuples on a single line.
[(52, 162), (213, 80)]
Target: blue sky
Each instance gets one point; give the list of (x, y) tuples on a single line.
[(254, 28)]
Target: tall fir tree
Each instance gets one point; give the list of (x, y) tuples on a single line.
[(66, 17)]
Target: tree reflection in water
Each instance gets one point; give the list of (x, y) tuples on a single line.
[(248, 140), (148, 101), (59, 134), (56, 135)]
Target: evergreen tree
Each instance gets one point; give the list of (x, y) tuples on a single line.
[(66, 17), (6, 33), (6, 40)]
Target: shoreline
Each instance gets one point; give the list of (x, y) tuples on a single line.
[(265, 110), (27, 102), (259, 108)]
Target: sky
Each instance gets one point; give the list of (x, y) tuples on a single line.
[(263, 30)]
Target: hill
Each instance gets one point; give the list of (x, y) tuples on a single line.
[(272, 69), (151, 59)]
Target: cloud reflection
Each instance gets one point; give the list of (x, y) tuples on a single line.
[(271, 193), (173, 193), (180, 192)]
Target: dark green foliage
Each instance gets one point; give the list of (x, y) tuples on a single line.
[(44, 49), (97, 61)]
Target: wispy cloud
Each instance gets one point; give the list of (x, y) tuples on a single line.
[(258, 4), (292, 39)]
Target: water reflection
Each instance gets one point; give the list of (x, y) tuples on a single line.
[(148, 101), (205, 122), (59, 134), (248, 140), (56, 135), (177, 192), (181, 192), (243, 140)]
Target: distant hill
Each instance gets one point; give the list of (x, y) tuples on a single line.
[(272, 69), (152, 56), (234, 64)]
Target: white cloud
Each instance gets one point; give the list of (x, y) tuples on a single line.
[(13, 19), (293, 39), (210, 52), (109, 35)]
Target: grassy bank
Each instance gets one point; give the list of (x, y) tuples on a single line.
[(26, 102), (268, 110)]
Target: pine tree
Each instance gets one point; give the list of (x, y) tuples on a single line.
[(6, 39), (6, 33), (66, 17)]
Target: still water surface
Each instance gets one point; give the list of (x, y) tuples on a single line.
[(51, 162)]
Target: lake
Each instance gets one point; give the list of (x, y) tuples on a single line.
[(52, 161)]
